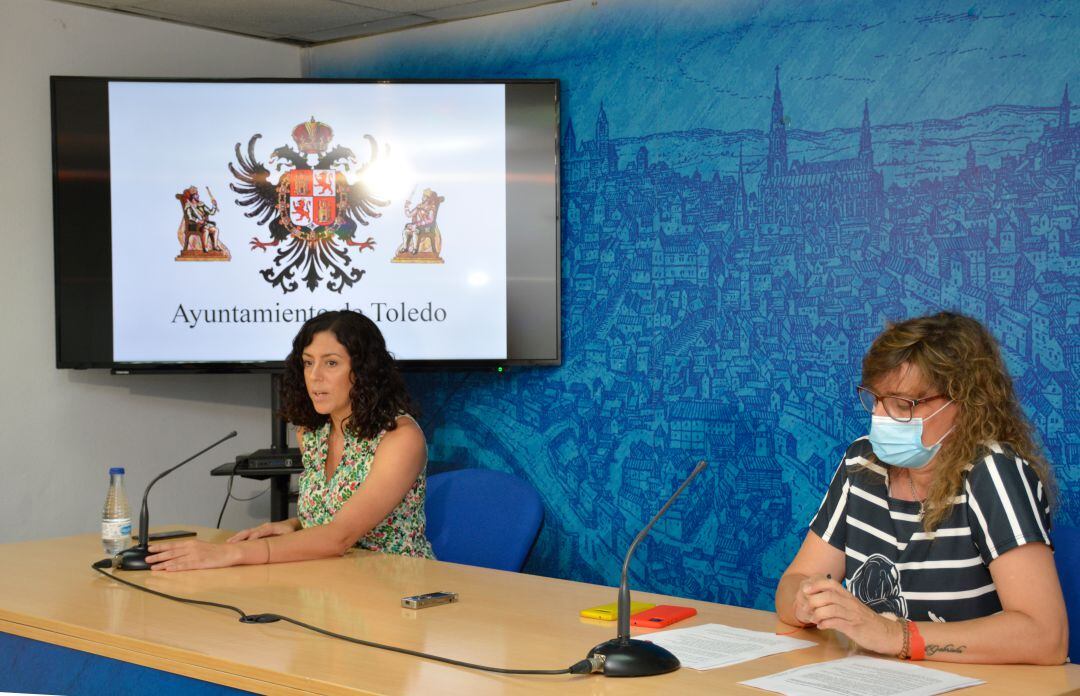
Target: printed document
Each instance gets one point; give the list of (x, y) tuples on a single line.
[(714, 645), (860, 675)]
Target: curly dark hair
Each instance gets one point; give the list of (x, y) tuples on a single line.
[(378, 392)]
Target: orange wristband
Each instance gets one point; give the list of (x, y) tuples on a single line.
[(918, 644)]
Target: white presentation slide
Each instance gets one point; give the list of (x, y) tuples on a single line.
[(240, 210)]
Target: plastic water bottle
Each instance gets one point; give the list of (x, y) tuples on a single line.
[(116, 518)]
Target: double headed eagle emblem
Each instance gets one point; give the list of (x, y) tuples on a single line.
[(312, 212)]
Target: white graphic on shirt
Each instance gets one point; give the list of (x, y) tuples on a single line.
[(876, 583)]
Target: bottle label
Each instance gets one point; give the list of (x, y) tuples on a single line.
[(116, 529)]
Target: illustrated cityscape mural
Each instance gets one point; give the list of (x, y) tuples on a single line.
[(720, 285)]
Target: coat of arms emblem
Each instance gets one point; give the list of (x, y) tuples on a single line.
[(313, 210)]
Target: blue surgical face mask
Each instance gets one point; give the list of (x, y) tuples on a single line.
[(900, 444)]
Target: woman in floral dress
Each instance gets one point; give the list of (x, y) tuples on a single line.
[(364, 456)]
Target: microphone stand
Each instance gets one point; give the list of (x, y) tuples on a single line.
[(135, 557), (624, 656)]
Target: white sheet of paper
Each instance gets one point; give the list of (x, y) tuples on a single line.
[(860, 675), (715, 645)]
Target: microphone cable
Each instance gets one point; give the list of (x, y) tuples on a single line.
[(585, 666), (229, 496)]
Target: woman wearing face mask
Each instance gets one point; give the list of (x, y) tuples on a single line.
[(938, 521), (364, 456)]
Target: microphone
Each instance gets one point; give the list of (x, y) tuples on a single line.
[(135, 557), (624, 656)]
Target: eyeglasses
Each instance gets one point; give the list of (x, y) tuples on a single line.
[(896, 407)]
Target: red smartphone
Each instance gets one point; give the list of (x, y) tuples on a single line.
[(661, 615)]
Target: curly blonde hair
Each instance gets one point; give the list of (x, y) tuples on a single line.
[(959, 358)]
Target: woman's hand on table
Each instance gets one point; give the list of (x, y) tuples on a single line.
[(828, 604), (193, 554), (267, 529)]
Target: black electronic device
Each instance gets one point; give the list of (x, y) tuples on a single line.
[(135, 557), (624, 656), (270, 458)]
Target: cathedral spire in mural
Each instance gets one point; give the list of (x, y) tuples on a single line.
[(740, 200), (1063, 110), (776, 164), (601, 125), (866, 146)]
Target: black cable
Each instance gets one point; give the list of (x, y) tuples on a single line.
[(267, 618), (250, 498), (106, 562), (229, 495), (580, 667)]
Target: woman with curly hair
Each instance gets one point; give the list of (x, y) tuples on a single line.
[(938, 521), (364, 456)]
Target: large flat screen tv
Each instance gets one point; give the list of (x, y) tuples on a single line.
[(198, 223)]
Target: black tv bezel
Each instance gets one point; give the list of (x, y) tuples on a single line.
[(277, 366)]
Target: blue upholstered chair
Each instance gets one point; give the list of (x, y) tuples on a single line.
[(482, 518), (1067, 557)]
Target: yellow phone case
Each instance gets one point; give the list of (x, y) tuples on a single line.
[(610, 612)]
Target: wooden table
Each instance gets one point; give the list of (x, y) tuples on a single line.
[(49, 593)]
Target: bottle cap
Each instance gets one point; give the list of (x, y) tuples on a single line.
[(116, 470)]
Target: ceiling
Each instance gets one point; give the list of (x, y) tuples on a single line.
[(310, 22)]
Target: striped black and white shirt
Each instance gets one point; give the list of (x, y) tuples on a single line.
[(893, 565)]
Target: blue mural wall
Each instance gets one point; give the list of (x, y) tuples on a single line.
[(750, 191)]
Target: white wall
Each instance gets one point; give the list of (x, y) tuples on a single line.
[(65, 428)]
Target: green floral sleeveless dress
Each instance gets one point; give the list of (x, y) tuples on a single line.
[(402, 532)]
